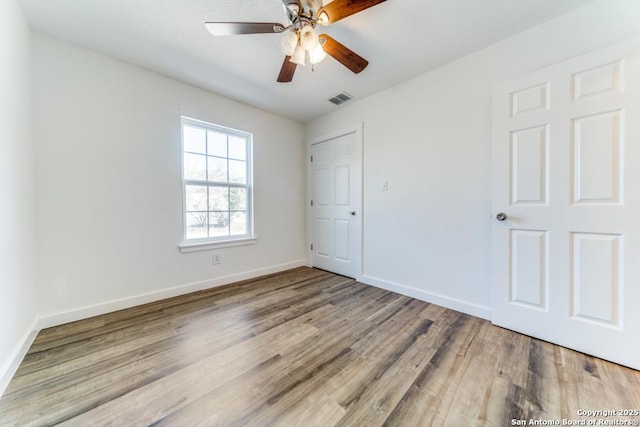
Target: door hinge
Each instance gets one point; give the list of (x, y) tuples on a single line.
[(312, 246), (312, 203), (311, 159)]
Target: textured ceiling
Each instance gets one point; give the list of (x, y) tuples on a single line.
[(400, 38)]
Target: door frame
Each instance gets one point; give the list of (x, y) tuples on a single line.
[(356, 129)]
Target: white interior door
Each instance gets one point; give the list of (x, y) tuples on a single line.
[(566, 172), (335, 204)]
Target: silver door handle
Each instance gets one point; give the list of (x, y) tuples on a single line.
[(501, 216)]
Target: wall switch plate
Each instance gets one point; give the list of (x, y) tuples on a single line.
[(385, 185)]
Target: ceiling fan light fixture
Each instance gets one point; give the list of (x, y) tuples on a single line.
[(294, 8), (298, 56), (288, 43), (317, 54), (323, 18), (308, 37)]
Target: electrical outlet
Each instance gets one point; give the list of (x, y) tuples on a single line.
[(216, 259), (385, 185)]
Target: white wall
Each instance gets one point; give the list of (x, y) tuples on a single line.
[(429, 235), (17, 202), (109, 189)]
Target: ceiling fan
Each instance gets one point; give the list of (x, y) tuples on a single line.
[(300, 37)]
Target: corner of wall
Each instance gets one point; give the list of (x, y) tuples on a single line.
[(8, 370)]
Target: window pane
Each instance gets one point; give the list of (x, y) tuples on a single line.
[(217, 143), (197, 225), (237, 172), (195, 166), (217, 169), (238, 223), (193, 139), (238, 199), (218, 224), (196, 198), (218, 198), (216, 164), (237, 147)]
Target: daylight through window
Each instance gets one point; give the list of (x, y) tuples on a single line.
[(216, 182)]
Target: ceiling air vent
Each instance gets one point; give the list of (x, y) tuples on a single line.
[(341, 98)]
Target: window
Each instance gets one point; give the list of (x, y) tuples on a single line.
[(216, 177)]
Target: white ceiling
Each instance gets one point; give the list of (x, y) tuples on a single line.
[(400, 38)]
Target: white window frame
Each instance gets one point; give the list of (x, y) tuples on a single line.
[(192, 245)]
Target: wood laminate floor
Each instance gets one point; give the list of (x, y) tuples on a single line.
[(304, 348)]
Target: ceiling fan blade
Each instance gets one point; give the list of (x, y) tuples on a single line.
[(343, 54), (234, 28), (338, 9), (287, 70)]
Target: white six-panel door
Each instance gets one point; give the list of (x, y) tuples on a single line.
[(566, 172), (335, 210)]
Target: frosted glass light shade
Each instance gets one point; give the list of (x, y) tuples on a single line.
[(323, 18), (298, 55), (308, 38), (288, 43), (317, 54)]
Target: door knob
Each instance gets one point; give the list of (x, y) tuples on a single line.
[(352, 213), (501, 216)]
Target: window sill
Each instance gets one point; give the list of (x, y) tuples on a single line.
[(206, 246)]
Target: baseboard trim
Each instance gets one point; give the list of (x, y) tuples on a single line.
[(120, 304), (10, 368), (452, 303)]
